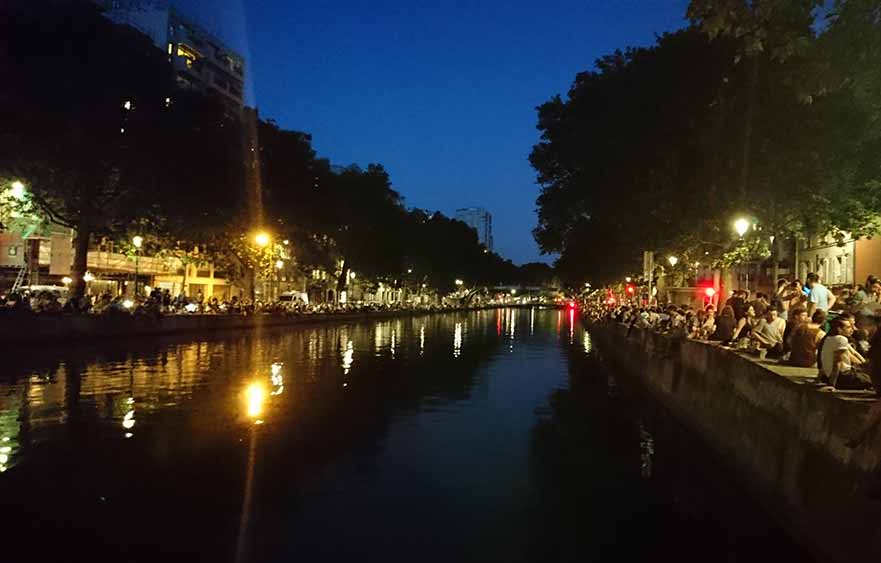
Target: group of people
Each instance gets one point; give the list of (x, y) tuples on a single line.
[(805, 325), (160, 302)]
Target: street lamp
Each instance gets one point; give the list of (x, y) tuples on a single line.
[(18, 190), (459, 283), (137, 240), (741, 226), (627, 279), (262, 239), (673, 260)]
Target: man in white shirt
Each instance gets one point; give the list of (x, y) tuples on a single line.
[(769, 331), (838, 358)]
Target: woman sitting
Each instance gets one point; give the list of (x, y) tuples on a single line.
[(804, 341), (724, 325)]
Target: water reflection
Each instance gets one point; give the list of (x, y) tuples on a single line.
[(277, 378), (313, 443), (348, 357), (255, 397)]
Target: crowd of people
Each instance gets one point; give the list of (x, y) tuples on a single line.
[(161, 302), (804, 325)]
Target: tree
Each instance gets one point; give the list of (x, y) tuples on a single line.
[(628, 162), (79, 136)]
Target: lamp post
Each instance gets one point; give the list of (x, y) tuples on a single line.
[(137, 240), (279, 264), (261, 240), (741, 226)]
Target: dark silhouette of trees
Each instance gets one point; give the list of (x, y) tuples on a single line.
[(660, 148)]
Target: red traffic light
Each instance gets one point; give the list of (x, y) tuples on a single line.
[(631, 290)]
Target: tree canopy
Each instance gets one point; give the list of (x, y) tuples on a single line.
[(660, 148)]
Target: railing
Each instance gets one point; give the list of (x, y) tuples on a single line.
[(100, 260)]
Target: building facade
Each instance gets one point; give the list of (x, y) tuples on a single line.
[(481, 221), (201, 61)]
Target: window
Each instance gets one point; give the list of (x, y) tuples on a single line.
[(188, 53)]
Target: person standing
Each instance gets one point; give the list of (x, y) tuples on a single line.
[(820, 297)]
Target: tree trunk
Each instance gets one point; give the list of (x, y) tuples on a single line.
[(183, 285), (343, 280), (252, 284), (775, 255), (746, 142), (80, 261)]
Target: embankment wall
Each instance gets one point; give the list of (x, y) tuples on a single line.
[(786, 439)]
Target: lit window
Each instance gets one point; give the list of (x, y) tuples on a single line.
[(191, 55)]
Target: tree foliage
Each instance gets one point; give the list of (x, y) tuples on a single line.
[(660, 148)]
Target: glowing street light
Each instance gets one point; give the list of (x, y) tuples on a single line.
[(137, 240), (279, 264), (67, 280), (262, 239), (673, 260), (741, 226), (88, 276), (627, 279), (459, 283), (18, 190)]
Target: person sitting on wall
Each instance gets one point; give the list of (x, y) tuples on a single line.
[(805, 339), (737, 303), (746, 323), (725, 325), (839, 360), (768, 333), (708, 326), (761, 304), (798, 315)]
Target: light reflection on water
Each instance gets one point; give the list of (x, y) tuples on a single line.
[(317, 443), (128, 384)]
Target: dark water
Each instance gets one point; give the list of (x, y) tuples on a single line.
[(487, 436)]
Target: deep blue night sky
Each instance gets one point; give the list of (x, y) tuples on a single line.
[(442, 93)]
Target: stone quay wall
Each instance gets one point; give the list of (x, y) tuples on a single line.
[(786, 439)]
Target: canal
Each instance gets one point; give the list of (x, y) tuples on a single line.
[(480, 436)]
